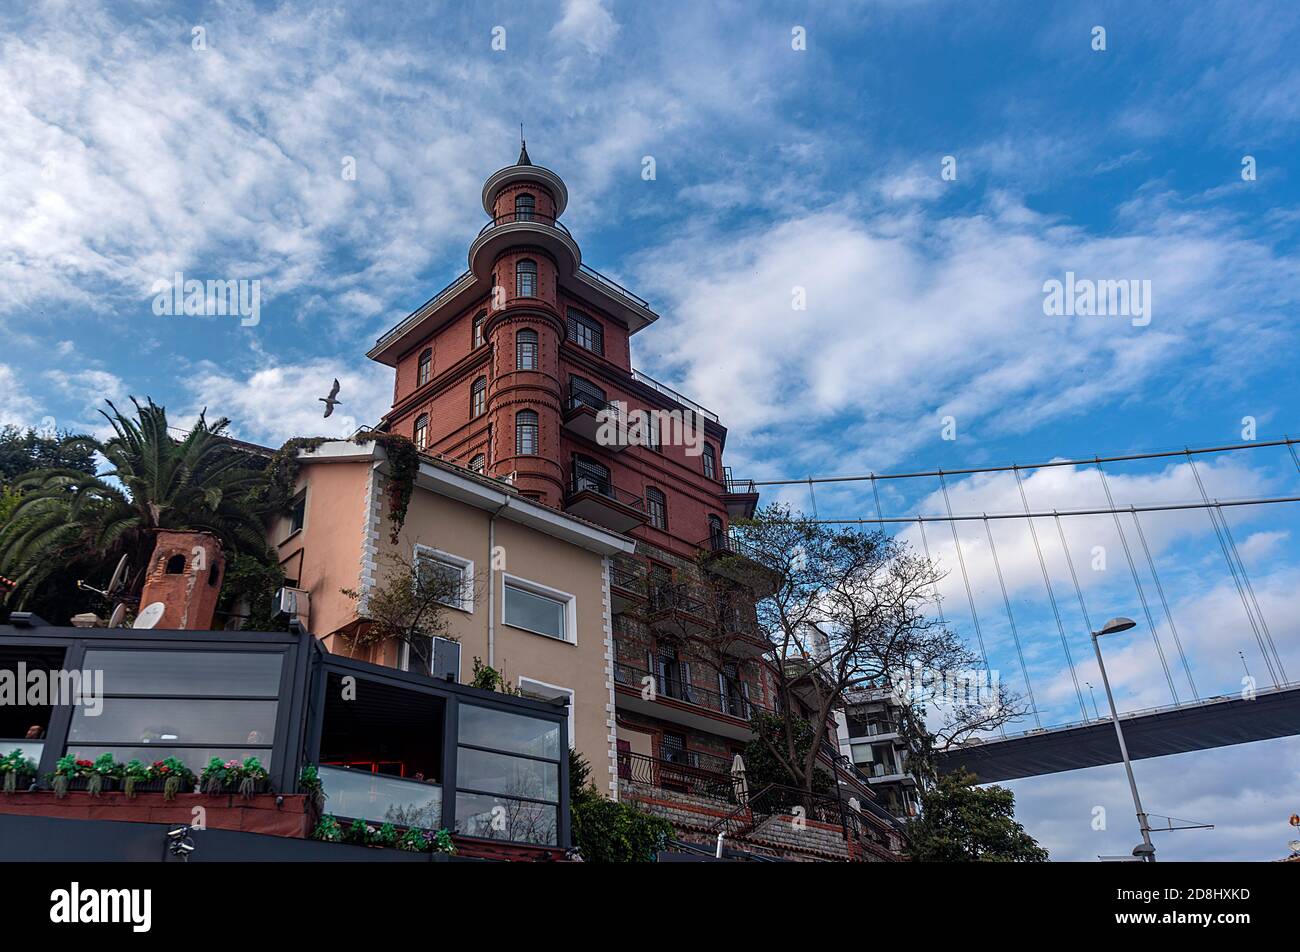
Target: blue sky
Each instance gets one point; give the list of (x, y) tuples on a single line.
[(129, 155)]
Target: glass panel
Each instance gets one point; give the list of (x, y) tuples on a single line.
[(176, 721), (500, 818), (534, 612), (188, 673), (196, 758), (31, 749), (369, 796), (500, 730), (501, 773)]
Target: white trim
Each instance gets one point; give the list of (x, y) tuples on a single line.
[(445, 481), (404, 661), (545, 591), (561, 690), (451, 560)]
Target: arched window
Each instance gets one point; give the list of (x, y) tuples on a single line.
[(710, 462), (525, 205), (478, 462), (479, 318), (652, 431), (526, 278), (526, 433), (526, 350), (657, 507), (176, 565), (478, 397), (717, 535), (586, 333), (422, 431), (426, 367)]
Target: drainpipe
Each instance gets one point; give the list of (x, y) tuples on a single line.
[(492, 588)]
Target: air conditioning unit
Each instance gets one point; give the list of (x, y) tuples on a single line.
[(293, 603)]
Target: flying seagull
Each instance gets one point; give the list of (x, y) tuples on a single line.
[(329, 401)]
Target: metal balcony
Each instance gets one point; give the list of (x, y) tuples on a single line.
[(516, 228), (689, 772), (599, 501), (741, 496), (671, 699), (585, 412), (731, 557), (627, 588)]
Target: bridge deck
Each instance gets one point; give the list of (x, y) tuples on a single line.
[(1200, 725)]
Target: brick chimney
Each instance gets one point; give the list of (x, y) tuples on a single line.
[(185, 573)]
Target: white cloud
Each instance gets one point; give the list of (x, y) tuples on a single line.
[(278, 402), (588, 24), (17, 408)]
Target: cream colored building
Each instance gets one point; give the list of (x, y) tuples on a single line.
[(539, 612)]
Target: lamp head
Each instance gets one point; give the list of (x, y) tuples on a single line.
[(1116, 625)]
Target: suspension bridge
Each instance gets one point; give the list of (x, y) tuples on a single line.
[(1195, 718)]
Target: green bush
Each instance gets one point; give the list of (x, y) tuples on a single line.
[(606, 831)]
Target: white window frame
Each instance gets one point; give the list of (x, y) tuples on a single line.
[(451, 560), (404, 663), (555, 690), (537, 588)]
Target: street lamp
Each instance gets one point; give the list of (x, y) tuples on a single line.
[(1146, 851)]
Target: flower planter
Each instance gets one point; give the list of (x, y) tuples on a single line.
[(109, 784), (11, 783)]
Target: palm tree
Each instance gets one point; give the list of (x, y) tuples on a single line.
[(154, 481)]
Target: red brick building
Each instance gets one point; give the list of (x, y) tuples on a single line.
[(521, 368)]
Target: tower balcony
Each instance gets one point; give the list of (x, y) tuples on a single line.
[(599, 501), (523, 228)]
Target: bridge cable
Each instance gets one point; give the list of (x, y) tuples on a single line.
[(970, 596), (1294, 458), (1223, 544), (1006, 600), (1164, 602), (1137, 582), (1051, 597), (938, 598), (1250, 591), (1069, 560)]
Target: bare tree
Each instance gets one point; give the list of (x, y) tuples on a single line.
[(409, 605), (840, 608)]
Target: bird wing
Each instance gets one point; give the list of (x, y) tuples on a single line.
[(335, 391)]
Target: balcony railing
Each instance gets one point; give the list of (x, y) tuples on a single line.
[(525, 217), (737, 486), (627, 579), (732, 704), (729, 543), (691, 773), (583, 483), (614, 286), (670, 392)]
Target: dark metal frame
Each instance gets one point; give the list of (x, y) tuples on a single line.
[(299, 717)]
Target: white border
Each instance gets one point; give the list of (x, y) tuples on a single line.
[(452, 560), (562, 690), (537, 588)]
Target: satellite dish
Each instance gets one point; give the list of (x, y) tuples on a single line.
[(119, 577), (115, 619), (1294, 846), (150, 615)]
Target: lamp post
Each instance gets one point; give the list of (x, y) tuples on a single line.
[(1146, 850)]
